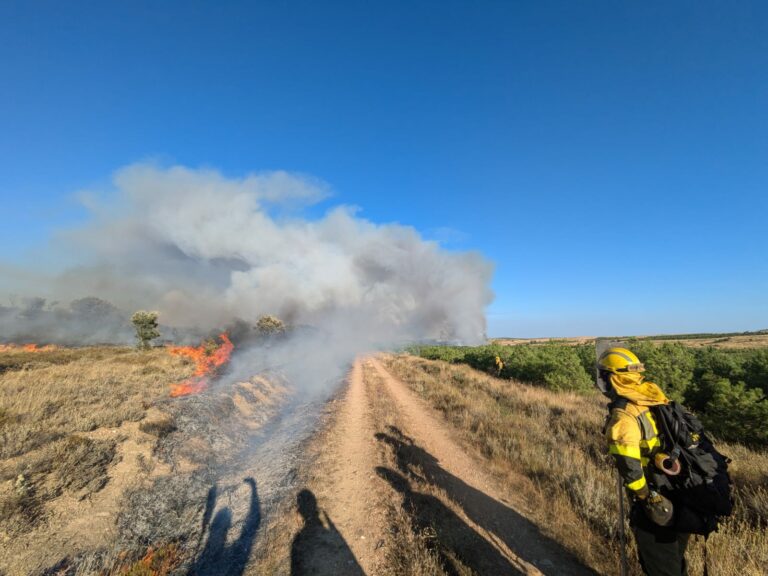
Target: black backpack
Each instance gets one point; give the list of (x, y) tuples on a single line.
[(701, 492)]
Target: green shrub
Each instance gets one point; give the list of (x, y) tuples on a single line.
[(756, 370), (670, 365), (555, 366), (269, 326), (738, 413), (725, 387), (146, 326), (587, 357)]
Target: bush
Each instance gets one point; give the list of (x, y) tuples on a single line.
[(587, 357), (756, 370), (270, 326), (725, 387), (555, 366), (670, 365), (146, 328), (738, 413)]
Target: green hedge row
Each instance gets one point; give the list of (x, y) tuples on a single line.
[(553, 365), (726, 388)]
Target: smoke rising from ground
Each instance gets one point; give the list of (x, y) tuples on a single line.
[(204, 249)]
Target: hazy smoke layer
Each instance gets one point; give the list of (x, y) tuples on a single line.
[(203, 249)]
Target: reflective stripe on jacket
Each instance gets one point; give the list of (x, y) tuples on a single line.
[(633, 440)]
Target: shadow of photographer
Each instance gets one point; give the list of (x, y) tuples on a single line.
[(319, 549), (218, 558)]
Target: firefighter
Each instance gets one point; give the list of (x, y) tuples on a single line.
[(633, 441)]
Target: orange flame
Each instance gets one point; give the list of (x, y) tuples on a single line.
[(206, 362), (27, 348)]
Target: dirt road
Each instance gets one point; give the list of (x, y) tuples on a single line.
[(392, 492)]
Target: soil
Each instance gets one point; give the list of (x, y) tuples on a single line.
[(384, 444)]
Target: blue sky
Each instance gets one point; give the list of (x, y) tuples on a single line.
[(611, 158)]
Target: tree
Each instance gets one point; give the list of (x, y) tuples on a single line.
[(146, 328), (270, 326), (33, 308), (670, 365), (756, 370), (91, 308), (738, 413)]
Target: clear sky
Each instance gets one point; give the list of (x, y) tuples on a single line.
[(610, 157)]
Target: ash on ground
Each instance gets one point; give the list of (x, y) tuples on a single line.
[(233, 453)]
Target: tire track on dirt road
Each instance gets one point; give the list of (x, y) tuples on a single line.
[(446, 464)]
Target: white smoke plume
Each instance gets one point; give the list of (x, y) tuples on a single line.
[(204, 249)]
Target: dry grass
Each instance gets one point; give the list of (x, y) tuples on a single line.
[(410, 551), (725, 342), (51, 400), (57, 393), (554, 439), (567, 341), (427, 532)]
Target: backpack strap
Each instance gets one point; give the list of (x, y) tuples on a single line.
[(620, 403), (670, 431)]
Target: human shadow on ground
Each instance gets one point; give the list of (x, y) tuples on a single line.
[(457, 543), (218, 558), (319, 549), (522, 536)]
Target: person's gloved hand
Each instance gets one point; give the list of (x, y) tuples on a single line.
[(658, 509)]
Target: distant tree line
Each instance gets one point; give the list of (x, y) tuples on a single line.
[(726, 388), (88, 320)]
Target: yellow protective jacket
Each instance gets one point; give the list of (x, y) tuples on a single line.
[(631, 432)]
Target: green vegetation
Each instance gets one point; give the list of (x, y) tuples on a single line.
[(146, 328), (555, 366), (726, 388)]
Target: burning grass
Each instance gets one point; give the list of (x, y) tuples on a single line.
[(27, 348), (554, 439), (207, 358)]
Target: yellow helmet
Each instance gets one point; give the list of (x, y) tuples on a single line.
[(619, 360)]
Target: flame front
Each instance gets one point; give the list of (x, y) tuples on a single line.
[(206, 362), (27, 348)]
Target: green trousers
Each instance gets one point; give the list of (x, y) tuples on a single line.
[(661, 550)]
